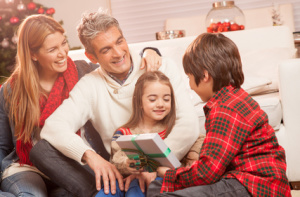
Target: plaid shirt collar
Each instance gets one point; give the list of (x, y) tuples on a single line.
[(218, 95)]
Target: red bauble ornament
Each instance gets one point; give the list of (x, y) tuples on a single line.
[(50, 11), (41, 10), (31, 6), (14, 20), (0, 18)]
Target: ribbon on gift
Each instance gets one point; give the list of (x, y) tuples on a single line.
[(147, 161)]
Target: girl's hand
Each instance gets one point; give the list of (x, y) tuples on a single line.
[(161, 171), (133, 167), (151, 60)]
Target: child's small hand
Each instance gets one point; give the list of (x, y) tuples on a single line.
[(133, 166), (161, 171)]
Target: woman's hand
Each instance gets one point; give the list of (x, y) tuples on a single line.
[(161, 171), (151, 60)]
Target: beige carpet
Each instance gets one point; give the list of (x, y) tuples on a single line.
[(295, 193)]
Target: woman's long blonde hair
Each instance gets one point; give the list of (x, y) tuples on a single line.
[(138, 112), (23, 89)]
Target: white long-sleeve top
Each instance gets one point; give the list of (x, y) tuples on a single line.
[(99, 98)]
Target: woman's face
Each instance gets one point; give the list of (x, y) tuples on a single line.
[(52, 56)]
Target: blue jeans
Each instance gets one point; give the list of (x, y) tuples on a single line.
[(134, 190), (30, 183)]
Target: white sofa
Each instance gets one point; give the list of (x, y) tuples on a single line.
[(262, 50)]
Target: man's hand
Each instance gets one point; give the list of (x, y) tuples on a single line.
[(151, 60), (161, 171), (104, 169)]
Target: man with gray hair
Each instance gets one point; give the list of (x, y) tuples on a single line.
[(105, 98)]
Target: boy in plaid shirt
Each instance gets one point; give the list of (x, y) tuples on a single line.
[(240, 155)]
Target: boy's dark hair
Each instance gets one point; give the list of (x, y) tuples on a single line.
[(219, 56)]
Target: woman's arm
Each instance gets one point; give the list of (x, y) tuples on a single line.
[(6, 141)]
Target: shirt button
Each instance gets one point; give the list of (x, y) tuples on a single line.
[(115, 91)]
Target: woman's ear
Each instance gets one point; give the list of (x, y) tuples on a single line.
[(91, 57), (33, 57)]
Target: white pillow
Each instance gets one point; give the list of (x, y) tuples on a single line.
[(264, 63), (255, 85)]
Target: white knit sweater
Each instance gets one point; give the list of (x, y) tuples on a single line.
[(97, 97)]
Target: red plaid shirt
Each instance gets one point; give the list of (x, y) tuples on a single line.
[(239, 144)]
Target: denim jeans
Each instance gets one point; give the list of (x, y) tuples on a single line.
[(222, 188), (30, 183), (134, 190), (65, 172)]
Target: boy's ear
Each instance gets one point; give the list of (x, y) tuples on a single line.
[(206, 76), (91, 57)]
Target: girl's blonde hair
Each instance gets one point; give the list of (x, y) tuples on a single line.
[(23, 89), (138, 113)]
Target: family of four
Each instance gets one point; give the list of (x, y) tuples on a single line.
[(58, 133)]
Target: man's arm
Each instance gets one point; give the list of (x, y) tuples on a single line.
[(60, 131), (186, 129)]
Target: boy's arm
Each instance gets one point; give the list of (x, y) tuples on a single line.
[(220, 147)]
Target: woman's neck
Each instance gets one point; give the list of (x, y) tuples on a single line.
[(47, 81)]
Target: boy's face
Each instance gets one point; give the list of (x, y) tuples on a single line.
[(205, 88)]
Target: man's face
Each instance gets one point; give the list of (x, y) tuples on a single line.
[(111, 52)]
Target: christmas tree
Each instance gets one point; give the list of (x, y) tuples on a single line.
[(12, 12)]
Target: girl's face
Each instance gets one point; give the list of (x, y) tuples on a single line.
[(156, 101), (52, 56)]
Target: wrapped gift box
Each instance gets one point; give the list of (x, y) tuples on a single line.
[(148, 147)]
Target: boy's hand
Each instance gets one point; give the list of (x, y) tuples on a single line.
[(151, 60), (161, 171)]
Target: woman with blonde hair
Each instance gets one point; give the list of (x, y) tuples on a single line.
[(43, 77)]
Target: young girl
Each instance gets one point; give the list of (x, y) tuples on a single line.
[(240, 155), (153, 112)]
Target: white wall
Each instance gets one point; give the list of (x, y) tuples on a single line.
[(69, 11)]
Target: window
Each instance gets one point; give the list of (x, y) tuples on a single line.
[(140, 19)]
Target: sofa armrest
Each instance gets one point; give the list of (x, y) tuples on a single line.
[(289, 88)]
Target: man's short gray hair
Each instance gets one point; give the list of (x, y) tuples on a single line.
[(92, 24)]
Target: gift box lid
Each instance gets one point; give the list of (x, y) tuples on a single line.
[(151, 145)]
